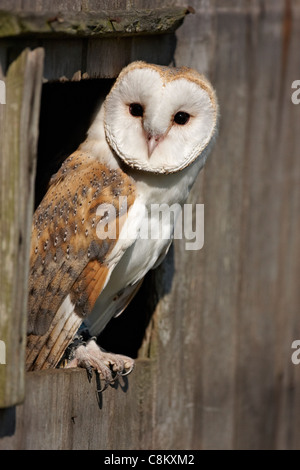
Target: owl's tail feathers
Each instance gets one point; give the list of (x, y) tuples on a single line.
[(44, 352)]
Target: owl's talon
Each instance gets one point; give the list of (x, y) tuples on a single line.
[(89, 371), (115, 376), (62, 363), (103, 388), (110, 367), (128, 371)]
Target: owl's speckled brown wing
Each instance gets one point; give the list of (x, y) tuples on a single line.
[(67, 257)]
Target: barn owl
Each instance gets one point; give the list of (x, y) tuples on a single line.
[(146, 145)]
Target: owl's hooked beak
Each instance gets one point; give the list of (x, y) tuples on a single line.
[(152, 142)]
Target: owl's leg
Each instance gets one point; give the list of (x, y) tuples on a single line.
[(110, 366)]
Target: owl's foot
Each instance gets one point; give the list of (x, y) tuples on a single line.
[(109, 366)]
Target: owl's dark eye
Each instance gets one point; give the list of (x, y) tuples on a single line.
[(181, 118), (136, 109)]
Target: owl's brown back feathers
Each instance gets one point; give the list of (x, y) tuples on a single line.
[(66, 256)]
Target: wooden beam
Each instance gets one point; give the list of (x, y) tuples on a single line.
[(91, 24)]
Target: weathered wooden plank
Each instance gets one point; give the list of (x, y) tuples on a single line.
[(69, 59), (81, 5), (73, 416), (216, 275), (63, 59), (173, 343), (2, 62), (74, 56), (98, 23), (257, 383), (249, 387), (288, 293), (106, 57), (18, 128)]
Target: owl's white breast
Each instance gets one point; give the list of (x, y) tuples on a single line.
[(132, 257)]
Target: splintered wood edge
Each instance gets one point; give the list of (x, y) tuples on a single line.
[(91, 24), (18, 124)]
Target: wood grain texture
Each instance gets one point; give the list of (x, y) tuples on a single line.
[(215, 369), (65, 423), (71, 54), (98, 23), (18, 128), (250, 263)]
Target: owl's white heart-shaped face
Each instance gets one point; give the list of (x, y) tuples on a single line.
[(160, 119)]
